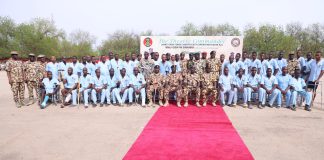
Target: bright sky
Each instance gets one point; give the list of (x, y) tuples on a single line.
[(101, 17)]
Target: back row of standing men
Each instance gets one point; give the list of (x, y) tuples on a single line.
[(199, 75)]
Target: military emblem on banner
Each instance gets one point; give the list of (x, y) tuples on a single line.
[(235, 42), (148, 42)]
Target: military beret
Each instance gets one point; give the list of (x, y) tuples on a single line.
[(40, 56), (291, 52), (31, 54)]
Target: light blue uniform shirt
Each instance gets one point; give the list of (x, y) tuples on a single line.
[(77, 67), (53, 68), (269, 82), (99, 82), (63, 67), (302, 62), (246, 63), (104, 68), (273, 64), (50, 85), (240, 82), (138, 80), (254, 81), (283, 81), (112, 81), (226, 81), (315, 69), (71, 80), (124, 81), (116, 65), (165, 67), (91, 68), (264, 66), (129, 66), (239, 65), (298, 84), (256, 63), (281, 63), (85, 81), (231, 68)]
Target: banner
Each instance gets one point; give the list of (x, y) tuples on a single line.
[(177, 44)]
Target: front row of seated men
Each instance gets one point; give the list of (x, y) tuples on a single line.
[(119, 88)]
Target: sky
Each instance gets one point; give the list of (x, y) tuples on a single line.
[(103, 17)]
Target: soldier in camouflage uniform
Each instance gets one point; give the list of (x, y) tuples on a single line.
[(191, 84), (292, 64), (41, 73), (214, 65), (15, 74), (30, 69), (173, 84), (146, 65), (190, 62), (208, 85), (155, 84), (199, 64)]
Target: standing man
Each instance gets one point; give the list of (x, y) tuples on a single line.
[(137, 82), (214, 64), (231, 66), (52, 66), (146, 65), (62, 68), (309, 59), (283, 86), (116, 64), (173, 84), (301, 60), (30, 69), (239, 63), (316, 72), (226, 86), (268, 85), (165, 66), (86, 85), (264, 64), (292, 64), (128, 65), (103, 66), (273, 63), (282, 62), (183, 64), (190, 62), (199, 64), (255, 62), (246, 61), (15, 74)]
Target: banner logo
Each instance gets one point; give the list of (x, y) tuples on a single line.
[(235, 42), (148, 42)]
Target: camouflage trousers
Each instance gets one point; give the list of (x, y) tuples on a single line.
[(150, 90), (31, 85), (186, 91), (172, 89), (18, 90), (205, 92)]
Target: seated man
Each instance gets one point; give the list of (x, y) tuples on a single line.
[(192, 84), (86, 85), (226, 87), (123, 88), (173, 84), (137, 83), (298, 87), (208, 86), (99, 87), (283, 86), (155, 84), (240, 82), (51, 86), (111, 86), (70, 82), (268, 87), (252, 85)]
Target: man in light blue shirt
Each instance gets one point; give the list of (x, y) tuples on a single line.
[(239, 63), (111, 86), (51, 87), (298, 87), (86, 83), (70, 82), (273, 63), (128, 65), (282, 62), (91, 65), (165, 66), (268, 87), (76, 66), (123, 88), (252, 85), (99, 87), (246, 61), (117, 64), (226, 87), (231, 65), (283, 86), (255, 62), (53, 67), (103, 66), (137, 83), (240, 82), (264, 65), (62, 68)]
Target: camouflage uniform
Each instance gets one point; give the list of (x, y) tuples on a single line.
[(190, 64), (41, 72), (208, 82), (215, 66), (31, 69), (200, 66), (146, 67), (191, 84), (173, 84), (15, 68), (155, 82), (292, 65)]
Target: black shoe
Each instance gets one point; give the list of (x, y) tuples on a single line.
[(293, 108), (307, 108)]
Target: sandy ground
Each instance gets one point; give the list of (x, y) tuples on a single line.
[(107, 133)]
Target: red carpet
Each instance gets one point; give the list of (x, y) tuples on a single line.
[(189, 133)]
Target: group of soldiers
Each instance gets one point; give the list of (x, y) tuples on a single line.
[(154, 78)]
